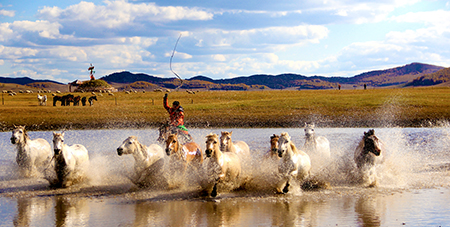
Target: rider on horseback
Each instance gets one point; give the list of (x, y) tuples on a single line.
[(176, 117)]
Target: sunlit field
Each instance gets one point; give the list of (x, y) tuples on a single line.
[(407, 107)]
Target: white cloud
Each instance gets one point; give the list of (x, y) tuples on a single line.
[(116, 14), (219, 57), (8, 13), (177, 54), (261, 37)]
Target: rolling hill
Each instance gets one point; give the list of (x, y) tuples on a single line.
[(379, 78), (440, 77), (414, 74)]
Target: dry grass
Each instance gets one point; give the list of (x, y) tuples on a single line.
[(270, 108)]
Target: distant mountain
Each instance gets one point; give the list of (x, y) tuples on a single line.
[(24, 80), (394, 76), (439, 77), (127, 77), (379, 78), (411, 75)]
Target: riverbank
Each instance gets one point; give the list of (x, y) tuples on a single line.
[(407, 107)]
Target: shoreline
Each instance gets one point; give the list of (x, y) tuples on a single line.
[(200, 125), (238, 109)]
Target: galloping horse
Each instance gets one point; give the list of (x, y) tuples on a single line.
[(181, 157), (70, 161), (42, 100), (294, 163), (166, 129), (148, 161), (223, 168), (273, 152), (316, 145), (31, 154), (191, 152), (226, 145), (369, 154)]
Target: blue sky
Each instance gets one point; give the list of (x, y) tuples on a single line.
[(58, 40)]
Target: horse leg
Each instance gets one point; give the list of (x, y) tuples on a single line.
[(286, 188), (281, 186), (214, 191)]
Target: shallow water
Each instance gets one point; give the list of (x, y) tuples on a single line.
[(413, 185)]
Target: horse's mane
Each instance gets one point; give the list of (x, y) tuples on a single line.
[(293, 147), (371, 132), (26, 137), (141, 146), (210, 135), (274, 136)]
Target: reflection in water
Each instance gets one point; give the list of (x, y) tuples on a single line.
[(369, 211), (227, 212), (71, 211), (291, 213), (31, 210), (414, 188)]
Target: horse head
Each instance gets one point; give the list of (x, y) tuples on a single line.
[(172, 144), (19, 135), (274, 143), (371, 143), (212, 143), (128, 146), (309, 130), (58, 142), (225, 140), (284, 143)]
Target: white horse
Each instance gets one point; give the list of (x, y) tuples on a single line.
[(368, 155), (294, 164), (42, 100), (239, 147), (315, 145), (223, 168), (32, 155), (71, 162), (149, 161)]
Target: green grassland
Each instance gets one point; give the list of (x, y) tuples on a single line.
[(406, 107)]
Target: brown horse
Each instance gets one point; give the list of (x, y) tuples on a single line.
[(76, 100), (368, 155), (166, 129), (190, 153), (56, 99), (273, 152), (181, 157)]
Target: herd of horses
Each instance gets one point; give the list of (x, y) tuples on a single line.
[(218, 168), (69, 98)]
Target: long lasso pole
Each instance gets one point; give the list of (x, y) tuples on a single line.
[(170, 65)]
